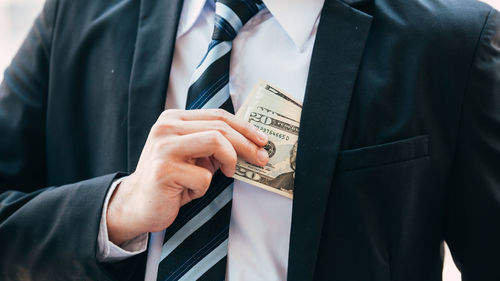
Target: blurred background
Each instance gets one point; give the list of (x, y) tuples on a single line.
[(16, 17)]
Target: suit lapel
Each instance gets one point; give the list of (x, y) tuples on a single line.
[(339, 45), (153, 54)]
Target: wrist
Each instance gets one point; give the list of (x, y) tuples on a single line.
[(119, 219)]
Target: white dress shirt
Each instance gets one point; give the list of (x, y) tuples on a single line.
[(275, 46)]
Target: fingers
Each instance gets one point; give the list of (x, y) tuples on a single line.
[(244, 137), (244, 128), (182, 151), (244, 147), (194, 178), (205, 144)]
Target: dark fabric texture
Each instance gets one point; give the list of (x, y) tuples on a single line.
[(399, 146)]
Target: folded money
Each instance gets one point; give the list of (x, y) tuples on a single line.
[(277, 115)]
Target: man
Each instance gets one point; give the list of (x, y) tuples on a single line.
[(399, 143)]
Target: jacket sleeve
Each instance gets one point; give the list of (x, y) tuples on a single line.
[(46, 233), (472, 228)]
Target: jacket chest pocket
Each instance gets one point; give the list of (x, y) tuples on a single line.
[(381, 199), (384, 154)]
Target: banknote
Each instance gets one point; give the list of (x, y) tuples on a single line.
[(278, 115)]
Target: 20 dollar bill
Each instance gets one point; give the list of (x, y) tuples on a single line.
[(277, 115)]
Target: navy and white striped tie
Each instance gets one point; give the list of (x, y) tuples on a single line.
[(195, 245)]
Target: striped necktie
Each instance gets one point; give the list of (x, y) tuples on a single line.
[(195, 245)]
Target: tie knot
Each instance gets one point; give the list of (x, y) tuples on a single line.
[(231, 15)]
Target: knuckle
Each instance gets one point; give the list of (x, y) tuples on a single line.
[(253, 149), (169, 125), (162, 147), (216, 138), (248, 147), (250, 128), (196, 193), (170, 174), (166, 114), (222, 126), (221, 114), (204, 191), (207, 179), (155, 129), (234, 158), (199, 193), (163, 127)]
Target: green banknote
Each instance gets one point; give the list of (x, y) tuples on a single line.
[(276, 114)]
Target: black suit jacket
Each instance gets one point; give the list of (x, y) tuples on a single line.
[(399, 147)]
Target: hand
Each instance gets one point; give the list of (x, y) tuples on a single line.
[(181, 154)]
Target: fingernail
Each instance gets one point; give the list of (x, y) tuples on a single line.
[(262, 136), (262, 155)]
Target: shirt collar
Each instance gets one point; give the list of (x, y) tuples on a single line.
[(191, 11), (296, 17)]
